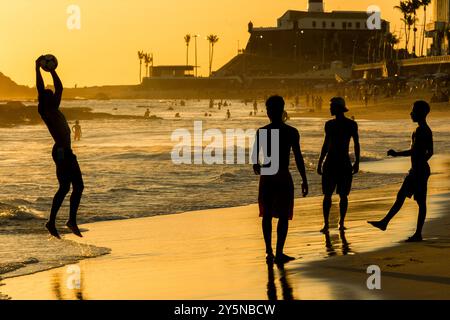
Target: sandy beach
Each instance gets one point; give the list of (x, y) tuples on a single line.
[(218, 254), (130, 149)]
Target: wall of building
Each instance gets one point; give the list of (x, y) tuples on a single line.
[(311, 47), (441, 10)]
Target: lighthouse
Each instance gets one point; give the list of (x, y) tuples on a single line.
[(315, 5)]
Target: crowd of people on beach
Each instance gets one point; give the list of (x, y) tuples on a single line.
[(276, 189)]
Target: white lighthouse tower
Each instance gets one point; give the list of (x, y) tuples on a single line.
[(315, 5)]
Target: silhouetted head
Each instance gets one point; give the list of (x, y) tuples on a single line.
[(275, 108), (337, 106), (420, 110), (46, 97), (77, 122)]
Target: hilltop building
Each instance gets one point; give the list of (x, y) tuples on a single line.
[(439, 29), (307, 40)]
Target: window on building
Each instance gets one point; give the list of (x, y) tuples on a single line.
[(314, 24), (344, 25), (324, 24), (332, 24), (349, 24), (358, 25)]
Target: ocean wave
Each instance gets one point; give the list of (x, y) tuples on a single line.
[(130, 190), (7, 267), (98, 218), (225, 177), (139, 156), (54, 254), (21, 213), (367, 158)]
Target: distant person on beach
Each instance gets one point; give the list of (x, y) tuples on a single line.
[(255, 107), (147, 114), (228, 114), (67, 169), (416, 181), (337, 170), (276, 192), (76, 129)]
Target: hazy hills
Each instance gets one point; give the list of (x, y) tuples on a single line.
[(11, 90)]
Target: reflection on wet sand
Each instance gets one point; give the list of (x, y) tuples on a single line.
[(68, 286), (286, 288), (3, 296), (331, 241)]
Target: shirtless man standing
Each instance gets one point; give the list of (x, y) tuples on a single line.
[(67, 169), (337, 170)]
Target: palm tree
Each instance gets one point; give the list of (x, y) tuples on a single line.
[(187, 39), (394, 41), (425, 4), (390, 40), (410, 22), (414, 6), (147, 60), (212, 38), (404, 8), (140, 56)]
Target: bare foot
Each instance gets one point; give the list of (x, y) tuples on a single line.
[(378, 224), (414, 238), (324, 229), (52, 229), (74, 228), (342, 228), (283, 258)]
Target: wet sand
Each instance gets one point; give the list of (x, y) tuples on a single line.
[(385, 109), (219, 254), (408, 270)]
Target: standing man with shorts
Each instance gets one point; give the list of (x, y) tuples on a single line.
[(67, 169), (276, 189), (337, 170), (416, 181)]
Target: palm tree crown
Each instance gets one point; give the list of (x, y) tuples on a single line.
[(187, 39), (212, 38), (140, 56)]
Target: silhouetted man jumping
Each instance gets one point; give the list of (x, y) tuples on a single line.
[(337, 170), (67, 169), (416, 181), (276, 189)]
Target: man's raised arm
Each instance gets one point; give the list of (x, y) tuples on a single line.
[(39, 81), (58, 85)]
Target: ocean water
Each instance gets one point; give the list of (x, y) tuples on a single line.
[(128, 171)]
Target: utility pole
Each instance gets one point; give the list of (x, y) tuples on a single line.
[(196, 67)]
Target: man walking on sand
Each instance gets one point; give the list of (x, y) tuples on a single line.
[(67, 169), (337, 170), (416, 181)]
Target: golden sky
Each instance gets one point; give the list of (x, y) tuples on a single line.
[(104, 50)]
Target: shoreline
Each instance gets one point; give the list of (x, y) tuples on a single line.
[(407, 270), (156, 261)]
